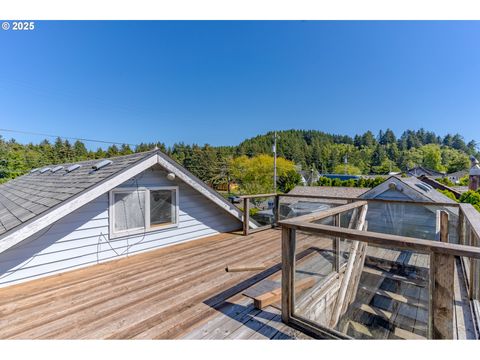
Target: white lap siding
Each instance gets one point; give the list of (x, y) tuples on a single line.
[(82, 237)]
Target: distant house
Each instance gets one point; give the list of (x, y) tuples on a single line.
[(309, 177), (224, 186), (420, 170), (456, 176), (63, 217)]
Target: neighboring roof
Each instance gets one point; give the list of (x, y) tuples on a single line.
[(437, 185), (458, 174), (334, 191), (420, 170), (417, 190), (34, 201), (460, 189)]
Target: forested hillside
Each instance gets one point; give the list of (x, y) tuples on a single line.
[(365, 153)]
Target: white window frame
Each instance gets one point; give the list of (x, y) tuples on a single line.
[(147, 227)]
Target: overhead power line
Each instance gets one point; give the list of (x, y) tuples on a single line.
[(65, 137)]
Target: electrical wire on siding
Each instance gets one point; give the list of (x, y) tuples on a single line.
[(33, 257), (125, 252)]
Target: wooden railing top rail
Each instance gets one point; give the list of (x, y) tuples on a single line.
[(350, 199), (473, 217), (254, 196), (453, 204), (395, 241), (322, 214)]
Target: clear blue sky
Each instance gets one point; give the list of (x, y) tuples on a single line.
[(221, 82)]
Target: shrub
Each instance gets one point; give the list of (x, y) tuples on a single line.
[(445, 181), (361, 183), (449, 194), (471, 197)]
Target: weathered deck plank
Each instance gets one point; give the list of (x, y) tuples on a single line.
[(183, 291)]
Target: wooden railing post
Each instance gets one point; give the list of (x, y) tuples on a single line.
[(276, 209), (336, 244), (246, 216), (288, 272), (442, 269), (461, 227), (474, 270)]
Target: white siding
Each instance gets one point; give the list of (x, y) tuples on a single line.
[(82, 237)]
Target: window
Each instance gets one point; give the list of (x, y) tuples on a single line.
[(162, 207), (134, 211)]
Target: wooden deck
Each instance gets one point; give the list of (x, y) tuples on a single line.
[(155, 295), (183, 291)]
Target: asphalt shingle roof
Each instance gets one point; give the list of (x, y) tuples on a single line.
[(30, 195), (334, 191)]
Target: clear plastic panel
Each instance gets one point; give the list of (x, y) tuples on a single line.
[(262, 210), (292, 207), (391, 298), (315, 263), (386, 295), (412, 220)]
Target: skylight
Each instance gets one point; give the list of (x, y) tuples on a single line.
[(101, 164), (72, 168), (56, 168), (424, 187)]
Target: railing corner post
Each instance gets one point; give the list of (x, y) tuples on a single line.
[(442, 272), (288, 272), (276, 209)]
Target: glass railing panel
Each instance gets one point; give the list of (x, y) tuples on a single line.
[(384, 296), (391, 298), (314, 265), (262, 210), (412, 220)]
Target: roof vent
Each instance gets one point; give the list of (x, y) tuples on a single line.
[(56, 168), (34, 170), (101, 164), (44, 170), (72, 168)]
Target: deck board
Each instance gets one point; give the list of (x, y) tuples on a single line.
[(158, 294), (183, 291)]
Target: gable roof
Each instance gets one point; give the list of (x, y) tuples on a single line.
[(412, 187), (27, 196), (34, 201), (420, 170)]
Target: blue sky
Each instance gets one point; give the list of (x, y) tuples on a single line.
[(222, 82)]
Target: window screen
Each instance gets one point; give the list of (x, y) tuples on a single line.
[(162, 207), (129, 210)]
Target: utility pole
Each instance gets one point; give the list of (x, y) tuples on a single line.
[(275, 162)]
